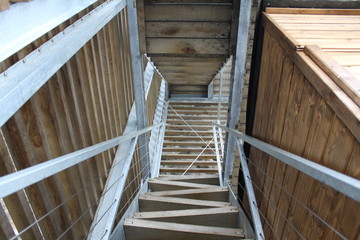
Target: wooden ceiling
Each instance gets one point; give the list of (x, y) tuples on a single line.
[(188, 40)]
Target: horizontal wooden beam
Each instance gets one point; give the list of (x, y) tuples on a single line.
[(159, 203), (188, 1), (187, 29), (216, 217), (137, 228), (193, 59), (187, 46), (169, 12)]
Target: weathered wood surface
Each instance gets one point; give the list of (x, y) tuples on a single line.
[(295, 112)]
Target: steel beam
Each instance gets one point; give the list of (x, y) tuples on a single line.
[(138, 82), (157, 136), (37, 18), (16, 181), (218, 156), (237, 81), (340, 182), (119, 233), (23, 79), (210, 90), (259, 232)]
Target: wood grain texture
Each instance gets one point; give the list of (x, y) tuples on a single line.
[(298, 117), (188, 29), (86, 102), (193, 12), (186, 46)]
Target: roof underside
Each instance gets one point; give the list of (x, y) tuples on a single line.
[(188, 40)]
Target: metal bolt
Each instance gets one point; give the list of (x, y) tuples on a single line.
[(24, 61), (39, 50), (5, 74), (52, 40)]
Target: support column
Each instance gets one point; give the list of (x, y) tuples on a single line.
[(237, 77), (138, 82)]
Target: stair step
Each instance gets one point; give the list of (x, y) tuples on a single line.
[(187, 143), (212, 179), (215, 217), (187, 156), (148, 203), (196, 117), (146, 229), (191, 170), (187, 132), (193, 126), (188, 163), (187, 150), (190, 122), (212, 194), (165, 185), (188, 138)]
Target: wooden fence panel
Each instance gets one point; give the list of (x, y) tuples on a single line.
[(86, 102)]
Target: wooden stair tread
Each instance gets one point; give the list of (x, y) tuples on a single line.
[(159, 203), (212, 179), (217, 217), (191, 170), (213, 194), (146, 229), (164, 185), (178, 149), (188, 162), (188, 156)]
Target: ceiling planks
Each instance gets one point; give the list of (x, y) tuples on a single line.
[(188, 40)]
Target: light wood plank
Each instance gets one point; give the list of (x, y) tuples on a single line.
[(164, 185), (136, 229), (159, 203), (216, 217), (187, 13), (187, 46), (188, 29)]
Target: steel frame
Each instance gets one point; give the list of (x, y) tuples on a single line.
[(14, 182), (237, 75), (24, 78), (37, 18), (138, 81), (340, 182), (259, 232)]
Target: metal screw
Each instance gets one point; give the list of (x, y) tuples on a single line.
[(5, 74), (39, 50), (52, 40), (24, 61)]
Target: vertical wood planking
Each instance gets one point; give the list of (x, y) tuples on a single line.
[(87, 101), (296, 118)]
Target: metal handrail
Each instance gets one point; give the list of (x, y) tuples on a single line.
[(340, 182), (14, 182)]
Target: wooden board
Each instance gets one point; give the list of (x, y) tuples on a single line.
[(159, 203), (136, 228), (187, 29), (217, 217), (201, 13), (187, 46)]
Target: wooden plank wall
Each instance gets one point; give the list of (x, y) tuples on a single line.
[(87, 101), (292, 114)]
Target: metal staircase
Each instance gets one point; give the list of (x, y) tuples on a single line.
[(184, 207), (186, 201)]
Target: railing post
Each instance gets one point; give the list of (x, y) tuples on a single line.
[(210, 90), (250, 192), (219, 96), (237, 75), (218, 157), (138, 82)]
